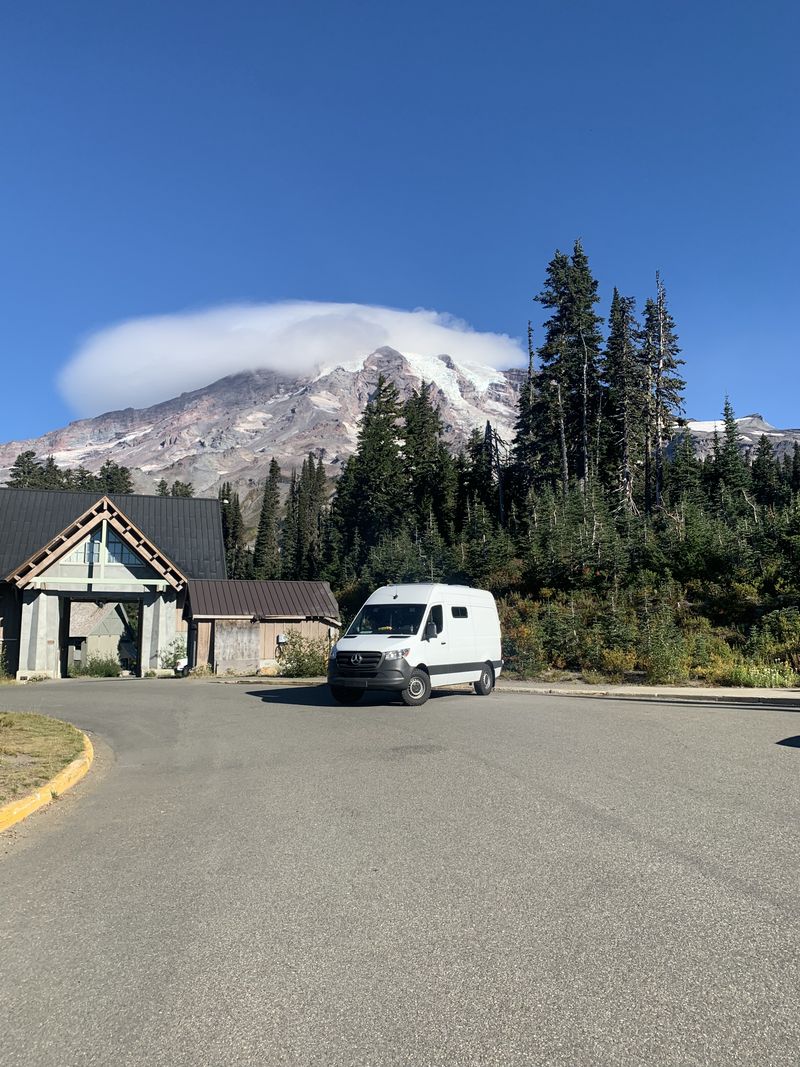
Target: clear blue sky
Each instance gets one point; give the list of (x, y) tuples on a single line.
[(158, 157)]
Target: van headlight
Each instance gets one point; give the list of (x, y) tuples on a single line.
[(333, 652), (397, 653)]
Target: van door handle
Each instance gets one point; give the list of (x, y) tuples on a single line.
[(444, 642)]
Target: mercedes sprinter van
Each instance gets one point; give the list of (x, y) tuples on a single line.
[(409, 639)]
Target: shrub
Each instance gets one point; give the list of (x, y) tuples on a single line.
[(777, 637), (615, 663), (303, 657), (523, 650), (175, 651), (759, 675), (202, 670), (663, 650), (3, 664), (96, 667)]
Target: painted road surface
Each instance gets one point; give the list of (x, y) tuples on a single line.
[(250, 875)]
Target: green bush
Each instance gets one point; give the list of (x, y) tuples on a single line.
[(96, 667), (615, 663), (663, 649), (759, 675), (303, 657), (777, 638), (3, 664), (175, 651), (523, 650)]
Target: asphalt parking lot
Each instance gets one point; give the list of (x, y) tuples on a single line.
[(250, 875)]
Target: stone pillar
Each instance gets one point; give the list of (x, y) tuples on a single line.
[(39, 634), (158, 627)]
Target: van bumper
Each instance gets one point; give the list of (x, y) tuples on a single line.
[(393, 675)]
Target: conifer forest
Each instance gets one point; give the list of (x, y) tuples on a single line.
[(612, 549)]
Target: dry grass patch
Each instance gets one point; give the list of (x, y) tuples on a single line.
[(33, 749)]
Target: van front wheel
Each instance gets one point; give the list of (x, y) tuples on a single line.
[(485, 684), (418, 689)]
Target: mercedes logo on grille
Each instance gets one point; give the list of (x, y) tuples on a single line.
[(356, 657)]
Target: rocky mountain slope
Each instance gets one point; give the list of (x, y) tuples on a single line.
[(228, 431)]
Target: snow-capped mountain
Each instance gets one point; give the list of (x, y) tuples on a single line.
[(228, 431), (751, 428)]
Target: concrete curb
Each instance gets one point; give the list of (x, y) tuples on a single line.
[(687, 693), (17, 810)]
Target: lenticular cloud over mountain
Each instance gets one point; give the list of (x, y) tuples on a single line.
[(146, 360)]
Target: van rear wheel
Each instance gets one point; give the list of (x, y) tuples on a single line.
[(418, 689), (485, 684)]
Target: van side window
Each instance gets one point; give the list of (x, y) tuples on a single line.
[(437, 617), (459, 613)]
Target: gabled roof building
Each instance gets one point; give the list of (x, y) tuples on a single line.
[(163, 557), (57, 548)]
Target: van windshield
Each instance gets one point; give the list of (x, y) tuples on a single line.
[(390, 620)]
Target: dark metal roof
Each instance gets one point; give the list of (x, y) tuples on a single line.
[(188, 530), (266, 600)]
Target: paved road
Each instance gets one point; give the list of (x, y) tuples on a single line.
[(251, 876)]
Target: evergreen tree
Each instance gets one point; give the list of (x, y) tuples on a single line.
[(52, 476), (266, 553), (373, 501), (570, 356), (765, 475), (289, 533), (626, 399), (26, 472), (162, 489), (527, 444), (237, 559), (683, 473), (475, 478), (732, 474), (665, 387), (114, 478), (429, 465), (310, 519), (181, 489)]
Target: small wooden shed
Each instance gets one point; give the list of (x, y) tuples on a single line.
[(238, 625)]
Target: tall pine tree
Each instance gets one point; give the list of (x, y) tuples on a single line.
[(625, 401), (569, 395), (665, 389), (266, 552)]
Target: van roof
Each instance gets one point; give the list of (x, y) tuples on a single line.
[(423, 592)]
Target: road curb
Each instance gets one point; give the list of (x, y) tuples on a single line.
[(688, 694), (17, 810)]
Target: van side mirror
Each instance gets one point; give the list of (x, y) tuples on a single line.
[(430, 630)]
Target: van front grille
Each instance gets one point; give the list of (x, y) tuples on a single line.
[(358, 664)]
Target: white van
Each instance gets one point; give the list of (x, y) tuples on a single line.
[(411, 638)]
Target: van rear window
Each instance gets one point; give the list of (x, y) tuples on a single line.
[(459, 613)]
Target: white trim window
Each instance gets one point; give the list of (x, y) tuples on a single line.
[(88, 551)]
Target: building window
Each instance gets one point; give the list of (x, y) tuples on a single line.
[(118, 552), (87, 551)]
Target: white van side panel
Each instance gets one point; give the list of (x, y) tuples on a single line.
[(472, 641)]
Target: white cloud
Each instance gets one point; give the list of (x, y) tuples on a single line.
[(146, 360)]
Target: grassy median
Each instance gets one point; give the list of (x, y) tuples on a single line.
[(33, 749)]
